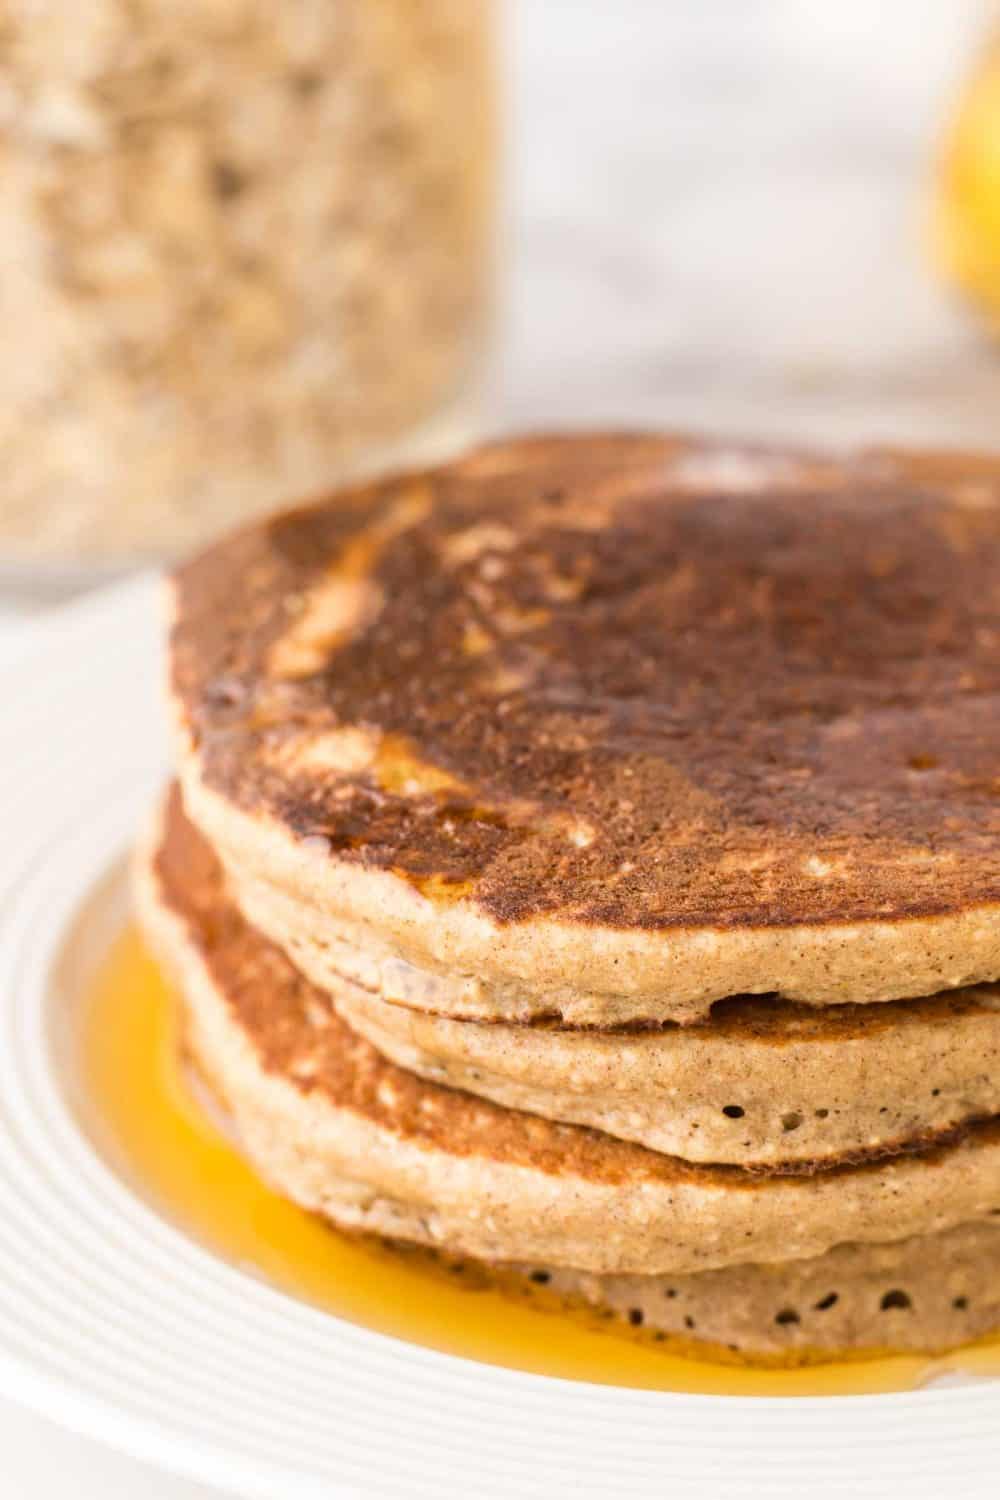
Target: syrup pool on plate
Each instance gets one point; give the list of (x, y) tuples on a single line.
[(185, 1165)]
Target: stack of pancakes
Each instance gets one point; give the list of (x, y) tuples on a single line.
[(584, 861)]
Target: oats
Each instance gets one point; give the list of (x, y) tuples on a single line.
[(243, 246)]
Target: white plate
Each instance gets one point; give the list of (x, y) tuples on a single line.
[(116, 1324)]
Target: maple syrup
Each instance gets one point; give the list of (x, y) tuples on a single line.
[(182, 1161)]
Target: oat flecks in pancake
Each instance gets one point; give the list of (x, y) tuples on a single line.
[(931, 1291), (761, 1083), (373, 1148), (298, 1037), (674, 688)]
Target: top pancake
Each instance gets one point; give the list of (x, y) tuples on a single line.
[(687, 721)]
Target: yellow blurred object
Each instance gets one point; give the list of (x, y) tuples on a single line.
[(967, 217)]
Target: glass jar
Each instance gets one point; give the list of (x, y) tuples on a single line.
[(246, 253)]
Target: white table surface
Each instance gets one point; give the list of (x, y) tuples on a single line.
[(716, 220)]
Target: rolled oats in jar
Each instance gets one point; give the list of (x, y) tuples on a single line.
[(245, 250)]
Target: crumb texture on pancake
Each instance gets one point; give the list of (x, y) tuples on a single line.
[(927, 1294), (762, 1083), (344, 1132)]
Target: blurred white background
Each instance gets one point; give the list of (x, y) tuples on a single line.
[(719, 214)]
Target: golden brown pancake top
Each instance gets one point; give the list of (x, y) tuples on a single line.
[(626, 681), (300, 1038)]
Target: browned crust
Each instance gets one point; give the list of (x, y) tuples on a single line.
[(727, 685), (275, 1008)]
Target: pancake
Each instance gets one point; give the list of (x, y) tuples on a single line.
[(930, 1294), (605, 729), (762, 1083), (345, 1133)]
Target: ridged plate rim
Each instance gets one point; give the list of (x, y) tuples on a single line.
[(116, 1324)]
